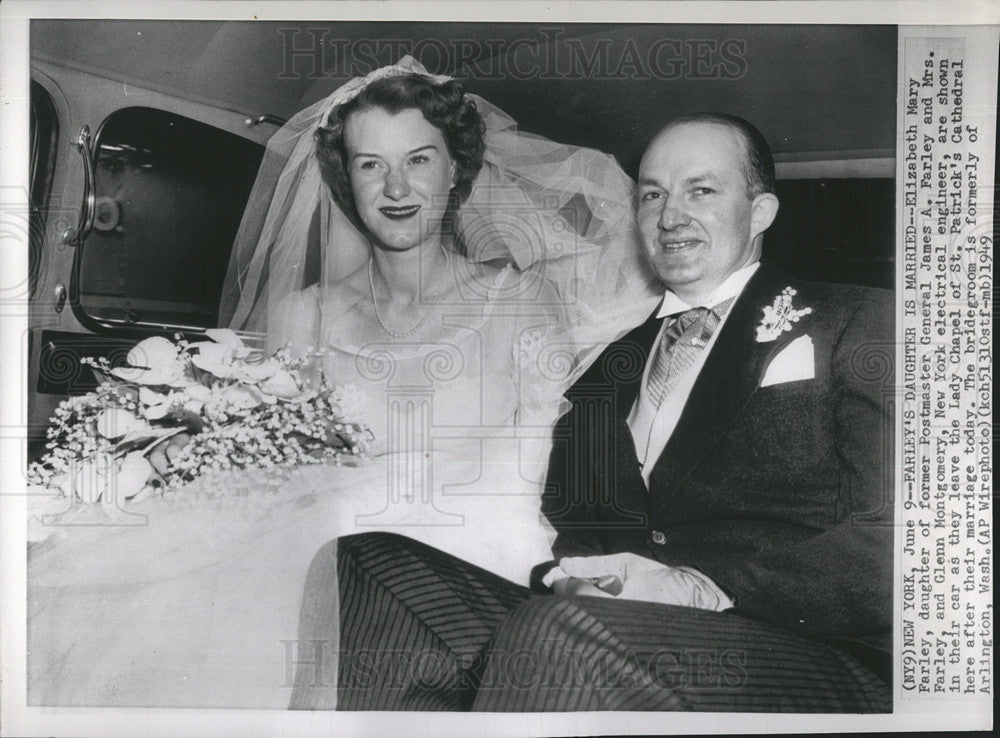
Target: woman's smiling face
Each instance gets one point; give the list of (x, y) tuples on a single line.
[(401, 174)]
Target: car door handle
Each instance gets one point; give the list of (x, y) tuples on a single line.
[(74, 236), (252, 122), (59, 293)]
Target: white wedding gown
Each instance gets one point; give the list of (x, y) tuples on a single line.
[(196, 604)]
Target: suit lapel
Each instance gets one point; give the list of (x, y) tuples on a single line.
[(619, 368), (731, 374)]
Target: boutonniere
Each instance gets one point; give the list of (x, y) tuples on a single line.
[(779, 317)]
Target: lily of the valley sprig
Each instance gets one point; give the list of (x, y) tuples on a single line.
[(779, 316)]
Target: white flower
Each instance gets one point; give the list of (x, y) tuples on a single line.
[(234, 361), (63, 482), (153, 361), (152, 352), (215, 358), (198, 392), (193, 398), (89, 478), (106, 478), (134, 471), (115, 422), (282, 384), (257, 371), (779, 317), (352, 404), (155, 404), (193, 406), (150, 397), (238, 398), (225, 336), (231, 340)]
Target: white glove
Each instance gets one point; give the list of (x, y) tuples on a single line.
[(648, 580), (621, 565)]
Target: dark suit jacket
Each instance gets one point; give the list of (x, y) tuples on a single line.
[(782, 495)]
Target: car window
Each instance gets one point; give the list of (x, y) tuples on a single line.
[(835, 230), (170, 192)]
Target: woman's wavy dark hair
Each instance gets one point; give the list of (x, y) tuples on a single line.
[(443, 105)]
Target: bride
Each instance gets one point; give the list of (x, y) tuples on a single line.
[(458, 274)]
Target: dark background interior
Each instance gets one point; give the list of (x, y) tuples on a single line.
[(808, 88)]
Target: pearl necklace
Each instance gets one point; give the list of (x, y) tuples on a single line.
[(378, 316)]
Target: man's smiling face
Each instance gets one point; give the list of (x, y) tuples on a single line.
[(698, 222)]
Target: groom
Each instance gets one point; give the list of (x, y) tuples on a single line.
[(721, 491)]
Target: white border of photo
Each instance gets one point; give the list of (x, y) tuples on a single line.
[(973, 19)]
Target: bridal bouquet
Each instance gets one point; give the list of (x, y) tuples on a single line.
[(180, 410)]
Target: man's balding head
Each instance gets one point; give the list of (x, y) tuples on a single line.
[(758, 164), (704, 201)]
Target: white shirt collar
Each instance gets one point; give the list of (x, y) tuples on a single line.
[(732, 287)]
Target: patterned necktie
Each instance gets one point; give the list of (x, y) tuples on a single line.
[(686, 335)]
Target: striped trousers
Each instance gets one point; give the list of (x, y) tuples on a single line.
[(421, 630)]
